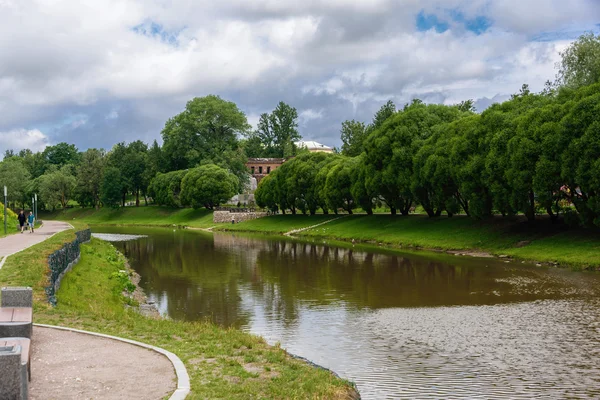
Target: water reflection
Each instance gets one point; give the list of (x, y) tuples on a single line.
[(399, 325)]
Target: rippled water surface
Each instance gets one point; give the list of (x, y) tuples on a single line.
[(400, 326)]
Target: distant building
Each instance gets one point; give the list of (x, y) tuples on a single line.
[(313, 146), (261, 167)]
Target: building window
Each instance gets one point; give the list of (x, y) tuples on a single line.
[(268, 170), (260, 170), (252, 168)]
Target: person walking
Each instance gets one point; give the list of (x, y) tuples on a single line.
[(31, 221), (21, 217)]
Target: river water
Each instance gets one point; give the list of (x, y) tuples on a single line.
[(398, 325)]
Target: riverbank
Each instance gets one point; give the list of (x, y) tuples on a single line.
[(542, 242), (222, 363), (144, 216)]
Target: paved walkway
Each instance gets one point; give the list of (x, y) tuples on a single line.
[(69, 365), (20, 241)]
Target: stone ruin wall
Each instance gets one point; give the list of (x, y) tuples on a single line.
[(226, 216)]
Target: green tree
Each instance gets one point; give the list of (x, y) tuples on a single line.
[(385, 112), (278, 131), (89, 178), (165, 189), (14, 175), (338, 185), (111, 190), (580, 62), (208, 126), (61, 154), (265, 194), (57, 187), (208, 186), (353, 134)]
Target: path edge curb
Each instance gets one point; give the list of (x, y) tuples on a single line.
[(183, 379)]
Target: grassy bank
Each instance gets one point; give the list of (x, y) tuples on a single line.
[(150, 215), (542, 241), (222, 363)]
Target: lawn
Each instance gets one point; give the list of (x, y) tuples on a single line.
[(143, 215)]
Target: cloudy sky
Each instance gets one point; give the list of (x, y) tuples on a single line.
[(94, 73)]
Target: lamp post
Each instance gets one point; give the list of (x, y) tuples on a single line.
[(35, 208), (5, 193)]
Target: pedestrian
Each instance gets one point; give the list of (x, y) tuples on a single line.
[(21, 217), (31, 221)]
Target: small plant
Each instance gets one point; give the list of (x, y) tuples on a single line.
[(123, 278)]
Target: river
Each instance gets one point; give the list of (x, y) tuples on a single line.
[(422, 325)]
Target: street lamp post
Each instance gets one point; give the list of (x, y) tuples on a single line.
[(35, 207), (5, 193)]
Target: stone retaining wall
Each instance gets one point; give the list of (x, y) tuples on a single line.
[(226, 216)]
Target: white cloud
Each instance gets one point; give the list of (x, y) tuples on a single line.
[(309, 115), (66, 57), (18, 139)]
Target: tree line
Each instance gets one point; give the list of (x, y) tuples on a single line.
[(201, 162), (535, 153)]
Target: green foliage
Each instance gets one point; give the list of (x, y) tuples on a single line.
[(14, 175), (57, 188), (89, 178), (123, 281), (10, 216), (275, 134), (208, 126), (61, 154), (165, 189), (353, 134), (112, 187), (580, 62), (208, 186)]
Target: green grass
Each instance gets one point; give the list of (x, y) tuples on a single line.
[(278, 223), (150, 215), (542, 241), (222, 363)]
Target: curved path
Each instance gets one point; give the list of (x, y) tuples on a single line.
[(12, 244), (72, 365)]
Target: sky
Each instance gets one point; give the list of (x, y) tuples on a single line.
[(94, 73)]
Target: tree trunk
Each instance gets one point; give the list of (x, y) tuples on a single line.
[(406, 209), (393, 210), (530, 212), (123, 202), (430, 212), (325, 210), (438, 212), (145, 199), (137, 197)]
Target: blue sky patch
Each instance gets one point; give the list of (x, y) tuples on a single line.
[(477, 25), (155, 30), (426, 22)]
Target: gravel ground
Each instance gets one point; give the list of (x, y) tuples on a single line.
[(69, 365)]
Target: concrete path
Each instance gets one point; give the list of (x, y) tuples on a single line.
[(20, 241), (293, 232), (69, 365)]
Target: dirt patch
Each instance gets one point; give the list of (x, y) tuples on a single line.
[(69, 365)]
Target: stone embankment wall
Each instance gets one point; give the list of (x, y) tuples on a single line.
[(226, 216)]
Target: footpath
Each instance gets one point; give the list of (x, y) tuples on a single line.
[(20, 241), (74, 365)]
